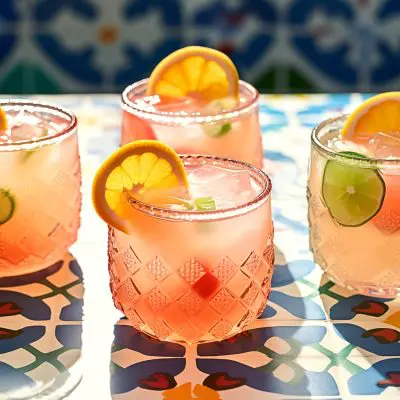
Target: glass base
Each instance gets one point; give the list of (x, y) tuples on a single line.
[(364, 288), (56, 389)]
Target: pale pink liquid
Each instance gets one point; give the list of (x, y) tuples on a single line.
[(242, 142), (194, 281), (364, 258), (44, 183)]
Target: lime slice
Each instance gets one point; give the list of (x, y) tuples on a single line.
[(214, 108), (217, 130), (205, 204), (352, 194), (7, 206), (27, 154)]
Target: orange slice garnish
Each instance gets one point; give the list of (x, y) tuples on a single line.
[(3, 120), (379, 113), (146, 170), (195, 71)]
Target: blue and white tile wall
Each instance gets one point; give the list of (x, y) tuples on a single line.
[(52, 46)]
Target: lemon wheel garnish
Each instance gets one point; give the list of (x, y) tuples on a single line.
[(379, 113), (3, 120), (146, 170), (195, 71)]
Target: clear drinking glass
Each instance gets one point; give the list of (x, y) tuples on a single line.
[(40, 179), (364, 257), (233, 134), (193, 277)]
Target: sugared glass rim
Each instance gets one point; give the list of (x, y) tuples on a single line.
[(170, 118), (332, 154), (47, 140), (207, 216)]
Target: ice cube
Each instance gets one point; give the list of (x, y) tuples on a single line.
[(218, 106), (229, 188), (205, 174), (26, 125), (339, 145), (385, 145), (27, 132)]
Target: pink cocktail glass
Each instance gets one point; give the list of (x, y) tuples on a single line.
[(40, 179), (193, 277), (193, 129)]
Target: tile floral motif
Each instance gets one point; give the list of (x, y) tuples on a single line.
[(98, 45)]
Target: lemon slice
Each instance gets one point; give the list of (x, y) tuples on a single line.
[(146, 170), (3, 120), (195, 71), (379, 113)]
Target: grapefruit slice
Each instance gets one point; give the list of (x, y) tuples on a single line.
[(3, 120), (200, 72), (379, 113), (146, 170)]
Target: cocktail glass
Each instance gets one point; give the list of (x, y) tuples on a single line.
[(40, 179), (233, 133), (362, 254), (191, 277)]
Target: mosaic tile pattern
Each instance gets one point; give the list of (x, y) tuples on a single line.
[(292, 45), (40, 330), (313, 339)]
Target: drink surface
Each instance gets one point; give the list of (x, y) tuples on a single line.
[(237, 137), (39, 190), (364, 256), (196, 281), (26, 124), (215, 188)]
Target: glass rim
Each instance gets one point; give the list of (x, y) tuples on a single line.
[(44, 141), (215, 215), (178, 119), (345, 157)]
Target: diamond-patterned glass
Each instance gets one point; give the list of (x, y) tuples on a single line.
[(158, 269), (191, 302), (192, 271)]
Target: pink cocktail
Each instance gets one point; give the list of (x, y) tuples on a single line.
[(220, 128), (40, 179), (354, 208), (202, 271)]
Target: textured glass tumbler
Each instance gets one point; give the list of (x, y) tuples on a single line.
[(195, 277), (40, 197), (364, 257), (190, 133)]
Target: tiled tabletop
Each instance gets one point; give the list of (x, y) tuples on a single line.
[(314, 339)]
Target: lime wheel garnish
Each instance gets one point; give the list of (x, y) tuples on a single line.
[(7, 206), (352, 194)]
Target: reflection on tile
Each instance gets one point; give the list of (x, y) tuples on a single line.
[(40, 331)]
